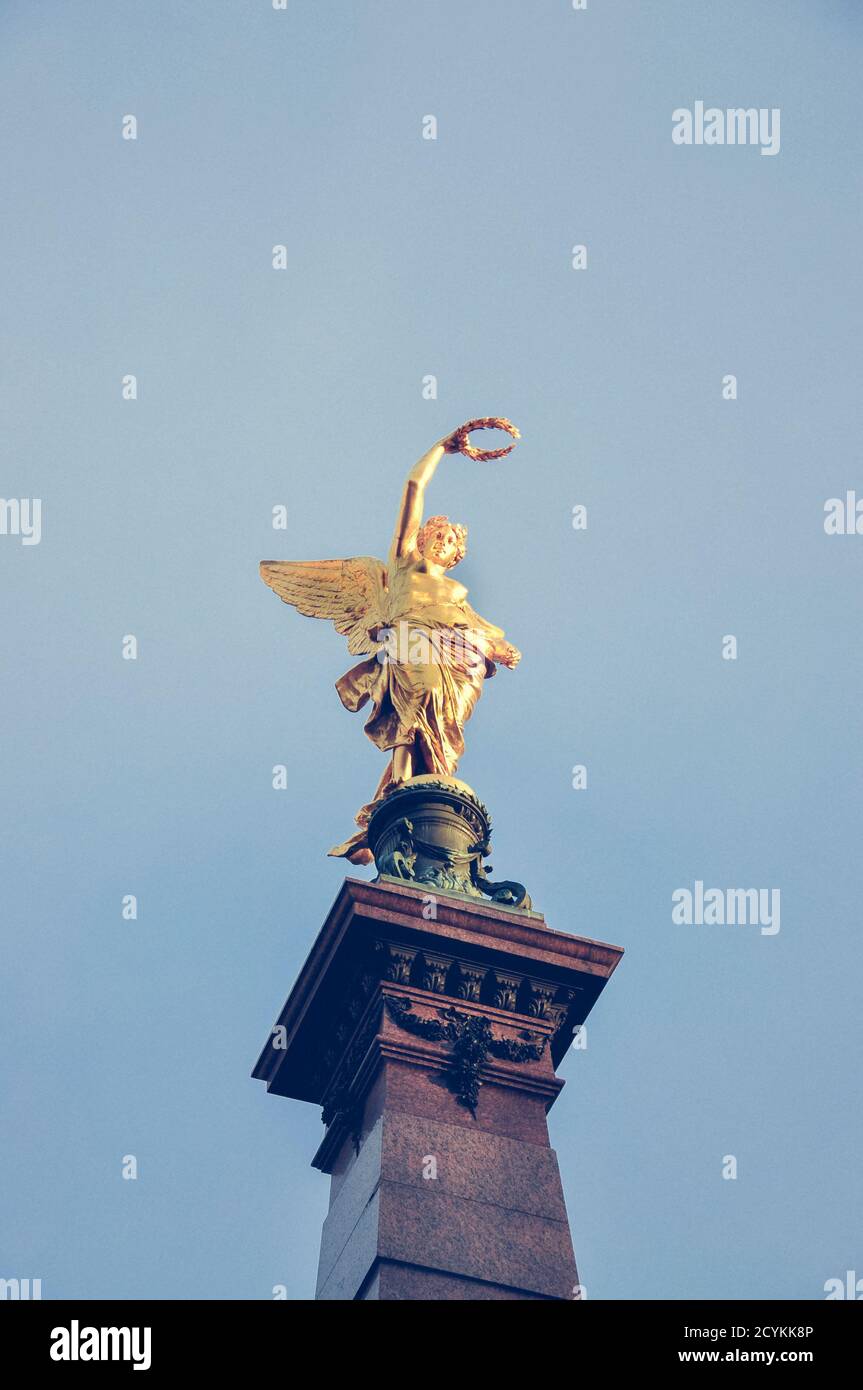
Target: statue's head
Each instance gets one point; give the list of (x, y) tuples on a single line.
[(442, 541)]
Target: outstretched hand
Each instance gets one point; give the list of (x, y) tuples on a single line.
[(509, 656)]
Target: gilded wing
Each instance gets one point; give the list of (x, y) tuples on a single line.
[(350, 593)]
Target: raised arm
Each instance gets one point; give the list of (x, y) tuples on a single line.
[(410, 513)]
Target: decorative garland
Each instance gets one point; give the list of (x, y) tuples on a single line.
[(472, 1042)]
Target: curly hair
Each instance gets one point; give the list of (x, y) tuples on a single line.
[(443, 523)]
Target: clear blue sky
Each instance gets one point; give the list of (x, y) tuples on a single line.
[(256, 387)]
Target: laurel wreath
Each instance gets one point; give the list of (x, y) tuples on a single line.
[(459, 440)]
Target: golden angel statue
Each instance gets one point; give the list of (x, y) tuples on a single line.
[(426, 652)]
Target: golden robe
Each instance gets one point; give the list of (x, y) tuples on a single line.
[(424, 683)]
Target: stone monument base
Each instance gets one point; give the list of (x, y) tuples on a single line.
[(428, 1022)]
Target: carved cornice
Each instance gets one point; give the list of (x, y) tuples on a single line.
[(343, 1102), (444, 975), (382, 938)]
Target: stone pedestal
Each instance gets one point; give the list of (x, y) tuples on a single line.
[(428, 1023)]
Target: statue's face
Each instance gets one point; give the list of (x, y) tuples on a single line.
[(442, 547)]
